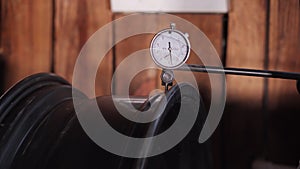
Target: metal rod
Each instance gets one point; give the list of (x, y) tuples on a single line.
[(241, 71)]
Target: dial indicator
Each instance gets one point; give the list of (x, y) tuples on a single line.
[(170, 48)]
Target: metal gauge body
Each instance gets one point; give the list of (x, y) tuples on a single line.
[(170, 48)]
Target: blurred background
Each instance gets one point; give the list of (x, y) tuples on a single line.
[(262, 116)]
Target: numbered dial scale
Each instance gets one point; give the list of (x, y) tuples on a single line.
[(170, 48)]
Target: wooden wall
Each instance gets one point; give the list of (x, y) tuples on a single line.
[(261, 119)]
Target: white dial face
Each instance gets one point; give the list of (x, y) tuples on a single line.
[(170, 49)]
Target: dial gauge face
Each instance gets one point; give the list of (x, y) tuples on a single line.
[(170, 49)]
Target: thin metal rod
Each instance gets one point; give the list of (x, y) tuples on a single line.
[(241, 71)]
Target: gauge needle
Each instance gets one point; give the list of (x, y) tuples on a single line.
[(170, 49)]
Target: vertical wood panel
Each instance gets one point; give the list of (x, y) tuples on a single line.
[(284, 101), (75, 22), (26, 35), (145, 81), (212, 26), (284, 50), (245, 48)]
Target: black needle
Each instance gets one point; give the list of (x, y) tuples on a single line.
[(170, 52)]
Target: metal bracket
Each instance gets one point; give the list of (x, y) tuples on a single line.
[(167, 77)]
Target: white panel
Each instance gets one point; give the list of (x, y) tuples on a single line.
[(187, 6)]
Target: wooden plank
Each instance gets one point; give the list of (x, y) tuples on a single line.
[(283, 99), (284, 50), (243, 118), (212, 26), (246, 48), (26, 38), (145, 81), (75, 22)]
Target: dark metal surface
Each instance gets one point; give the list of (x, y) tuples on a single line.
[(39, 130), (188, 153), (22, 108)]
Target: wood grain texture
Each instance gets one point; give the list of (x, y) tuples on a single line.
[(283, 98), (212, 26), (243, 117), (26, 38), (145, 81), (246, 48), (284, 50), (75, 22)]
